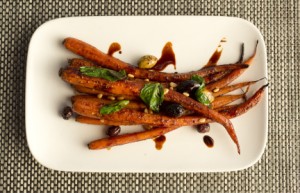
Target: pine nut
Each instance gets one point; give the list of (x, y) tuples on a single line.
[(186, 94), (130, 75)]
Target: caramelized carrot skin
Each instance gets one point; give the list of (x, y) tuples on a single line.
[(216, 76), (94, 121), (224, 100), (128, 138), (133, 116), (126, 87), (227, 79), (244, 107), (93, 54), (94, 101), (230, 88)]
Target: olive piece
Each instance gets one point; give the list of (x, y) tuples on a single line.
[(173, 110), (203, 128), (147, 61), (67, 112), (113, 131), (187, 86)]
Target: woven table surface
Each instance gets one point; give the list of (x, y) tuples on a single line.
[(277, 171)]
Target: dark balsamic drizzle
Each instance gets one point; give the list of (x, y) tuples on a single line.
[(159, 142), (167, 58), (209, 142), (215, 57)]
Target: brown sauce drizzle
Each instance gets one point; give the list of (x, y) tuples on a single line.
[(114, 47), (167, 58), (159, 142), (209, 142), (216, 56)]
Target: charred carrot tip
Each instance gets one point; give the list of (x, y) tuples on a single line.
[(266, 85), (60, 71), (90, 146), (245, 65)]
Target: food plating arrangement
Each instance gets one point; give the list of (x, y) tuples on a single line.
[(114, 93)]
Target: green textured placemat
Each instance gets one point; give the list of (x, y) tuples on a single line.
[(277, 171)]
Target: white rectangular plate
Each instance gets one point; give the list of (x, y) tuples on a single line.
[(62, 145)]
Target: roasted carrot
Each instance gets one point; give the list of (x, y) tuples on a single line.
[(226, 99), (93, 54), (226, 107), (133, 88), (92, 91), (244, 107), (94, 121), (135, 117), (92, 100), (227, 89), (89, 108), (227, 79), (230, 111), (215, 77), (134, 137), (128, 138), (139, 105)]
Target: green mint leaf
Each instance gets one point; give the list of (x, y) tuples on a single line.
[(153, 95), (202, 98), (200, 80), (114, 107), (104, 73)]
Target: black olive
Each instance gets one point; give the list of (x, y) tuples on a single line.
[(203, 128), (173, 110), (67, 112), (113, 131), (187, 86)]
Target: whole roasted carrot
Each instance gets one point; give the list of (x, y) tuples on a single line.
[(244, 107), (128, 138), (93, 54), (134, 116)]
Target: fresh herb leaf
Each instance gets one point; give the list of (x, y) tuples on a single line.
[(153, 95), (114, 107), (105, 73), (202, 97), (200, 80), (200, 94)]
